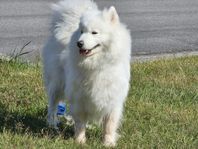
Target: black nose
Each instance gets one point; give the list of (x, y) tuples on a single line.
[(80, 44)]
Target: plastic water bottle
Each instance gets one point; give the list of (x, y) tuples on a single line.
[(61, 109)]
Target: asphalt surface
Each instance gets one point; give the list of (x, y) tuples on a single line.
[(157, 26)]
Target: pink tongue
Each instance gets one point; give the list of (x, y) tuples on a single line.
[(83, 52)]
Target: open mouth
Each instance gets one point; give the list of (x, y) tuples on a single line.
[(87, 52)]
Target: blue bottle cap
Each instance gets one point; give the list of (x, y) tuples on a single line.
[(61, 109)]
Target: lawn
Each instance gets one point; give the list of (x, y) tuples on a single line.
[(161, 110)]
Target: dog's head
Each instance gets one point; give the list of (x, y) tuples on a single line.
[(95, 31)]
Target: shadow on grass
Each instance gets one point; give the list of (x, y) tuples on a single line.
[(30, 124)]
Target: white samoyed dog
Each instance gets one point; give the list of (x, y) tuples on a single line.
[(87, 61)]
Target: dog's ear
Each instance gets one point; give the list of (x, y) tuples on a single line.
[(114, 18), (112, 15)]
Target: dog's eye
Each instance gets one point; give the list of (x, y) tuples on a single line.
[(94, 32), (81, 31)]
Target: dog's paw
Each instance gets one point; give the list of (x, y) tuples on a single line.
[(81, 139), (109, 141), (52, 121)]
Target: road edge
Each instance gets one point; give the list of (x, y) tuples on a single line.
[(140, 58), (153, 57)]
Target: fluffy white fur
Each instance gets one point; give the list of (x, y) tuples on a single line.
[(96, 84)]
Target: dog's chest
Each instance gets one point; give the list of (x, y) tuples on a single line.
[(96, 88)]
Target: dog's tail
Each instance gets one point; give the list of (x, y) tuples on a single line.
[(66, 17)]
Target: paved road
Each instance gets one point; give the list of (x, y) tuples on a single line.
[(157, 26)]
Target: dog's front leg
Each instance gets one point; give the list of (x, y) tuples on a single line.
[(80, 129), (52, 118), (110, 125)]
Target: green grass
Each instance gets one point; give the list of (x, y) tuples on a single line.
[(161, 110)]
